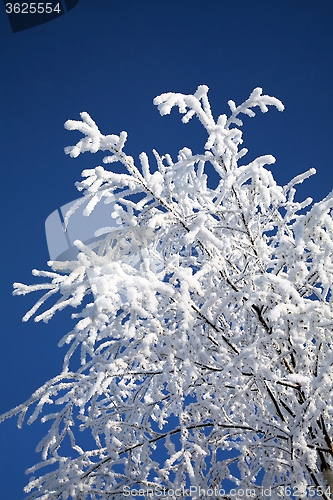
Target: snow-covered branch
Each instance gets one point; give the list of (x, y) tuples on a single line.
[(209, 310)]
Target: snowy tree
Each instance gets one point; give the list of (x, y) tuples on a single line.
[(206, 359)]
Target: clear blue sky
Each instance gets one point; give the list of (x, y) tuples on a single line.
[(111, 58)]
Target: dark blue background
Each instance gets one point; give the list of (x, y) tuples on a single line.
[(111, 58)]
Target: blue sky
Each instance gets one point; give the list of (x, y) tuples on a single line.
[(111, 58)]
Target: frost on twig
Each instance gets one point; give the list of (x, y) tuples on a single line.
[(204, 324)]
